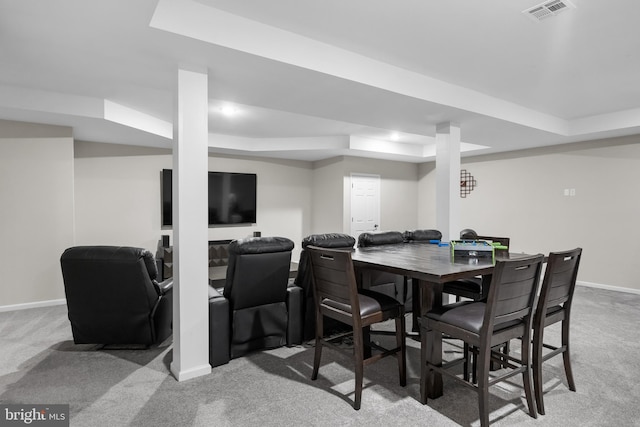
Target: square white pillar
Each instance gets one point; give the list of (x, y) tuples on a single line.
[(448, 180), (190, 228)]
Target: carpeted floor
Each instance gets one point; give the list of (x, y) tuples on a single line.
[(40, 364)]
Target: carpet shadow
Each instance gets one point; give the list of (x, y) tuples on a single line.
[(78, 375), (140, 355), (336, 375), (254, 386), (460, 403)]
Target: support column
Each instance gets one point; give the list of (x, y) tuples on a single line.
[(448, 180), (190, 228)]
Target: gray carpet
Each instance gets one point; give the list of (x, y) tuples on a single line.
[(40, 364)]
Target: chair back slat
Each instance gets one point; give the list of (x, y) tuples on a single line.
[(560, 278), (554, 305), (513, 289), (333, 275)]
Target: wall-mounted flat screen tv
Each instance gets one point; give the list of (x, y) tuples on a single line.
[(232, 198)]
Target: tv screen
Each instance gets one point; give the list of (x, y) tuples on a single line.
[(232, 198)]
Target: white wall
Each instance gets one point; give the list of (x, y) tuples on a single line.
[(327, 196), (36, 211), (332, 193), (117, 193), (114, 198), (110, 195), (427, 196), (398, 190), (521, 195), (118, 196)]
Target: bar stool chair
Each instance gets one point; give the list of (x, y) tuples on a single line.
[(303, 279), (477, 288), (337, 297), (507, 314), (554, 305)]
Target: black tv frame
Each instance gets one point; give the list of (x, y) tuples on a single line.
[(239, 208)]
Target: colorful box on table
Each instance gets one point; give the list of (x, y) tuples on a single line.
[(479, 249)]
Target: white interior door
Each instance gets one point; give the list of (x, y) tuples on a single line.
[(365, 203)]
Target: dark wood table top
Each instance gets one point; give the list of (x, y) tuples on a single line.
[(422, 261)]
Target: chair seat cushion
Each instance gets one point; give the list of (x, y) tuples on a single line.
[(370, 302), (441, 313), (473, 285), (468, 315)]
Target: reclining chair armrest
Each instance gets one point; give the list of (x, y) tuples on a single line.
[(295, 307), (219, 329), (166, 285), (162, 313)]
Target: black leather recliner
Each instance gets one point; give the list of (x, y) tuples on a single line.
[(113, 296), (264, 312), (219, 331), (304, 281)]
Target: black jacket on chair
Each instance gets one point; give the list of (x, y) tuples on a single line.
[(256, 287), (386, 283), (377, 238), (113, 296), (422, 235)]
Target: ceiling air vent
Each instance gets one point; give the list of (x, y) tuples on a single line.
[(547, 9)]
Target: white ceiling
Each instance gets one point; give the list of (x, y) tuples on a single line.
[(316, 79)]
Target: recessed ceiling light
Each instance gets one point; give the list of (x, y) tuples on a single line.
[(395, 136), (229, 110)]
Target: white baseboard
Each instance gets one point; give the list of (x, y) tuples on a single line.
[(188, 374), (608, 287), (27, 305)]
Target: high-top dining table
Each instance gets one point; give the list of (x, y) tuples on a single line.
[(430, 265)]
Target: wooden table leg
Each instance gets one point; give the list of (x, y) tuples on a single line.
[(430, 344), (365, 278), (416, 303)]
